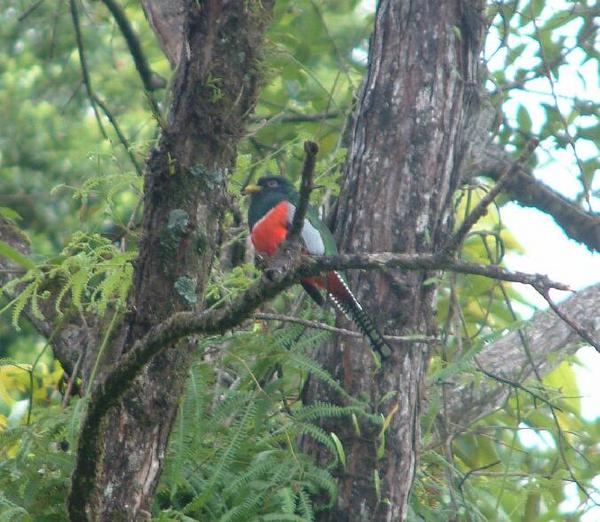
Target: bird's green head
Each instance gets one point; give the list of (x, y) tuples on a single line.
[(267, 193)]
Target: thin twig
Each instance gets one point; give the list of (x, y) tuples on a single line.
[(130, 225), (72, 379), (339, 57), (150, 79), (515, 474), (29, 10), (95, 101), (83, 63), (570, 140), (481, 208), (524, 188), (527, 348), (284, 117), (317, 264), (56, 329), (581, 331), (473, 471), (516, 386), (341, 331), (124, 141)]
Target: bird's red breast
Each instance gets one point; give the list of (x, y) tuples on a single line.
[(270, 231)]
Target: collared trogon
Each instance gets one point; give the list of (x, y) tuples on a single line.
[(272, 205)]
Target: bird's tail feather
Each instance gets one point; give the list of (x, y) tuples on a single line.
[(351, 308)]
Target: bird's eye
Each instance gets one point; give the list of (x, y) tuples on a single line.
[(272, 184)]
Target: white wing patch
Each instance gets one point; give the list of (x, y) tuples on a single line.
[(310, 235)]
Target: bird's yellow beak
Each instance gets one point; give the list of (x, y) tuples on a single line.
[(251, 189)]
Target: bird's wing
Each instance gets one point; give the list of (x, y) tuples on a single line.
[(315, 235)]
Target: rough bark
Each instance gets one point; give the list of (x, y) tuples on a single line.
[(404, 164), (166, 17), (215, 88)]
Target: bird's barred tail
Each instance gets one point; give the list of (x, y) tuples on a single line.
[(351, 308)]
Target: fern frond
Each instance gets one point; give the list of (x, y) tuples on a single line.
[(305, 506), (320, 410), (229, 405), (323, 480), (10, 511), (259, 468), (288, 501), (21, 302), (234, 452), (321, 436), (239, 432), (311, 341), (241, 512), (310, 366), (126, 281), (283, 517), (115, 285), (465, 361), (34, 305), (78, 284), (60, 297)]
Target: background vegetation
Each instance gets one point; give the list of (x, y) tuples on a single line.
[(72, 184)]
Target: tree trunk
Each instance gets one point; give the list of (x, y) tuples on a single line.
[(215, 88), (404, 164)]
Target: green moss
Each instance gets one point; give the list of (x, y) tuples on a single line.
[(178, 222), (186, 290), (176, 228), (216, 177), (198, 171)]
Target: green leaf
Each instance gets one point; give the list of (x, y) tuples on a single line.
[(339, 448), (558, 20), (524, 120), (377, 484), (590, 133), (14, 255), (9, 213)]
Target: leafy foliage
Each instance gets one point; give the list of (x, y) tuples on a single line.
[(234, 454), (35, 465), (90, 269), (248, 466)]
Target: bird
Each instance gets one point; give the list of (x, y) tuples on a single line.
[(273, 202)]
